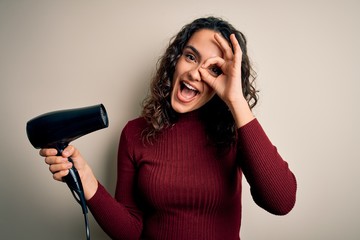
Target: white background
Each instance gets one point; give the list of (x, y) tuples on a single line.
[(67, 54)]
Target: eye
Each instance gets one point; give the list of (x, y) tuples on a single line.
[(190, 57), (215, 71)]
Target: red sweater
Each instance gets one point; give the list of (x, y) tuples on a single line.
[(180, 189)]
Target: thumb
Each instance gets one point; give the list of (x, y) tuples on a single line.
[(70, 151), (217, 83), (207, 77)]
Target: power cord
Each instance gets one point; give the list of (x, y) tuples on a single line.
[(87, 228), (80, 198)]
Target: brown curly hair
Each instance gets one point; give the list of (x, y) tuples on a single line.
[(219, 123)]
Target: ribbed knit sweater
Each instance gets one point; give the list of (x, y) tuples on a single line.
[(179, 188)]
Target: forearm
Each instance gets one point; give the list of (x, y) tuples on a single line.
[(273, 185), (118, 221)]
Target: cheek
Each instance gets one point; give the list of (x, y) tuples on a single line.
[(207, 96), (209, 92), (173, 84), (179, 72), (175, 75)]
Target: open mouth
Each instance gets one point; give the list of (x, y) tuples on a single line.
[(187, 91)]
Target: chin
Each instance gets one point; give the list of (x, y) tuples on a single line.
[(181, 108)]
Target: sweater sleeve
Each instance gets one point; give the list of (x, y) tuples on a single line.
[(119, 217), (272, 184)]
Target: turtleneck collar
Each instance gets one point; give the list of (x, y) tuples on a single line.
[(193, 115)]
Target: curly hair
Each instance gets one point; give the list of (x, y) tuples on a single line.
[(217, 118)]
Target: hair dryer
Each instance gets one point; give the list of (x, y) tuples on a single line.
[(57, 129)]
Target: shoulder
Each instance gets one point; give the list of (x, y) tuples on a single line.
[(130, 135), (135, 125), (137, 122), (131, 141)]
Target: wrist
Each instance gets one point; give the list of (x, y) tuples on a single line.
[(89, 182), (241, 112)]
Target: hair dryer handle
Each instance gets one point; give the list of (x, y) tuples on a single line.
[(73, 179), (74, 183)]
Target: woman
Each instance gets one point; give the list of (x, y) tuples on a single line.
[(180, 164)]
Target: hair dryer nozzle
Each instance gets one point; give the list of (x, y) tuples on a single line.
[(61, 127)]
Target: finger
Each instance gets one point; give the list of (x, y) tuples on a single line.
[(225, 46), (59, 175), (218, 61), (54, 168), (237, 49), (55, 160), (48, 152)]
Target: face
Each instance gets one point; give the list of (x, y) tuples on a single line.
[(189, 92)]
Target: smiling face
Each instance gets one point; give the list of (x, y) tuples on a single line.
[(189, 92)]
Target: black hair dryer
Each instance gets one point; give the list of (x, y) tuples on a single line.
[(57, 129)]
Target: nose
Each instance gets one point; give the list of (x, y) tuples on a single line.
[(194, 74)]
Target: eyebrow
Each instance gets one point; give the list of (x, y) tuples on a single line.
[(197, 53)]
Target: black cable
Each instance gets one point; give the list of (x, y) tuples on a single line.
[(80, 198), (87, 228), (74, 183)]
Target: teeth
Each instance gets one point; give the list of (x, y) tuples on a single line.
[(189, 86)]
